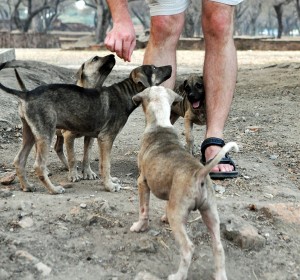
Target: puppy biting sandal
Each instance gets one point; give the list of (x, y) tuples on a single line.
[(213, 141)]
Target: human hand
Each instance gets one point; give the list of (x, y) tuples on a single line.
[(121, 40)]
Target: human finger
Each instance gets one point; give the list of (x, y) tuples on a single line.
[(119, 48), (109, 42), (128, 47)]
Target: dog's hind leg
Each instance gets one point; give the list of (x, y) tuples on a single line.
[(177, 217), (21, 158), (105, 146), (88, 173), (42, 151), (58, 147), (144, 198), (211, 219)]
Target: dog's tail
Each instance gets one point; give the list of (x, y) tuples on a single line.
[(18, 93), (211, 164), (20, 82)]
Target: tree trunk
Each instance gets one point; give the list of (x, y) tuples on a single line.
[(103, 21), (279, 11)]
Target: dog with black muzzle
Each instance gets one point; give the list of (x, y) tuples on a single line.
[(172, 174), (191, 108), (99, 113), (91, 74)]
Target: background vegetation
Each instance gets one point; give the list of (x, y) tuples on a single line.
[(274, 18)]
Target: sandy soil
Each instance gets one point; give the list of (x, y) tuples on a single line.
[(84, 233)]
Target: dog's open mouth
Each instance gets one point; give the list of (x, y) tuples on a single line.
[(196, 104)]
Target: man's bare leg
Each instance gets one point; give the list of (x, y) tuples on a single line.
[(220, 70), (161, 48)]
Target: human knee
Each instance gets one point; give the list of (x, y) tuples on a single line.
[(165, 28), (218, 24)]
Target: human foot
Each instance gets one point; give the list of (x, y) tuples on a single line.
[(226, 167)]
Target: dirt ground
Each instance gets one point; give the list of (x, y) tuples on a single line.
[(84, 233)]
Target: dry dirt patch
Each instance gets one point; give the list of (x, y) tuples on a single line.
[(84, 233)]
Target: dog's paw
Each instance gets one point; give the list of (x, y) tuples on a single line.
[(175, 277), (115, 179), (112, 187), (144, 275), (88, 174), (57, 190), (74, 177), (164, 219), (28, 188), (139, 226)]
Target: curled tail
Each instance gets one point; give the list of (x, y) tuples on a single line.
[(18, 93), (20, 82), (211, 164)]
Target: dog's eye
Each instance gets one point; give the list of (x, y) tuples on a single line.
[(199, 86), (96, 58), (187, 88)]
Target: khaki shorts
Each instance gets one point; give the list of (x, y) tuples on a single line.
[(173, 7)]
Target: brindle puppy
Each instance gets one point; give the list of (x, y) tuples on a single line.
[(99, 113)]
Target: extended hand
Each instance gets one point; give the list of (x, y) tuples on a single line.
[(121, 40)]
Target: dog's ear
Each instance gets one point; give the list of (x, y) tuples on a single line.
[(137, 99), (139, 76), (182, 86), (174, 96), (79, 74)]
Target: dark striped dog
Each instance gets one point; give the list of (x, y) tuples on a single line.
[(99, 113)]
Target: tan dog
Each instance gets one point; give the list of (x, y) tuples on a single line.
[(91, 74), (191, 108), (172, 174)]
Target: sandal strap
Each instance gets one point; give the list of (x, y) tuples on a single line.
[(212, 141), (228, 160)]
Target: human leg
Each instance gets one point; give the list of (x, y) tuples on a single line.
[(165, 31), (220, 70)]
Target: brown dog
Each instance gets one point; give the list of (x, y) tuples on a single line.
[(91, 74), (99, 113), (172, 174), (191, 108)]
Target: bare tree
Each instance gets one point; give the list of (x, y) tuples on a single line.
[(298, 12), (32, 11), (102, 18), (279, 13), (239, 17), (140, 11)]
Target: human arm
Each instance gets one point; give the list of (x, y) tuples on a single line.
[(121, 39)]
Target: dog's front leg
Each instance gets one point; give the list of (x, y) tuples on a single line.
[(69, 139), (188, 127), (144, 198), (88, 173), (105, 146), (211, 219)]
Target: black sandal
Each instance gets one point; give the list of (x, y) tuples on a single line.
[(213, 141)]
